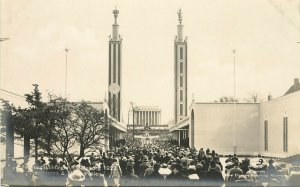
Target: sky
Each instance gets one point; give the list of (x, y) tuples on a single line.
[(263, 32)]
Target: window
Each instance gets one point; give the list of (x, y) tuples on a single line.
[(181, 67), (181, 95), (266, 135), (181, 81), (181, 53), (285, 134), (181, 109)]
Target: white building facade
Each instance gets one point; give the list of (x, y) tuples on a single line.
[(270, 128)]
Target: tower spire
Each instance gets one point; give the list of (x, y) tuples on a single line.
[(116, 13), (115, 70), (115, 26), (179, 16), (180, 67), (179, 27)]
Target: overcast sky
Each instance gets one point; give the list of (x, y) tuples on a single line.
[(264, 33)]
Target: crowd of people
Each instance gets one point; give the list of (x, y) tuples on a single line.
[(161, 165)]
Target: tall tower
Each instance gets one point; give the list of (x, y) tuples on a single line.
[(115, 69), (180, 69)]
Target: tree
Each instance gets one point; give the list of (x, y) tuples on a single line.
[(36, 110), (63, 127), (89, 125), (34, 123), (254, 97), (7, 128), (226, 99), (22, 119), (48, 137)]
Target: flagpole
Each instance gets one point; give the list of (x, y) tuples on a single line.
[(66, 78), (234, 104)]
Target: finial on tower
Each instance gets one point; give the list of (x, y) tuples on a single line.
[(116, 12), (179, 16)]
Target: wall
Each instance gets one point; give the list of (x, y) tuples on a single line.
[(274, 111), (214, 127)]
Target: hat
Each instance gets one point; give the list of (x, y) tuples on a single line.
[(242, 177), (76, 175), (192, 167)]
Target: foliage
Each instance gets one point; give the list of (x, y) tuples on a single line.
[(254, 97), (89, 125), (5, 113), (226, 99), (62, 126), (57, 125)]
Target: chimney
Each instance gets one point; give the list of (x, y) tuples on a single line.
[(296, 84), (269, 97)]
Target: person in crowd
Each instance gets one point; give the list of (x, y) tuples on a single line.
[(201, 172), (76, 176), (271, 170), (184, 168), (235, 158), (176, 176), (229, 159), (155, 174), (150, 170), (245, 165), (145, 165), (92, 160), (214, 175), (192, 173), (216, 166), (213, 153), (217, 160), (137, 163), (164, 170), (235, 172), (63, 168), (207, 152), (294, 178), (243, 181), (283, 169), (130, 179), (116, 172), (107, 167), (201, 154), (176, 173), (42, 161), (123, 163)]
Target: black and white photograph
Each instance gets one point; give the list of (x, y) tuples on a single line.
[(113, 93)]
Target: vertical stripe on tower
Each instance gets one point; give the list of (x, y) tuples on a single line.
[(185, 105)]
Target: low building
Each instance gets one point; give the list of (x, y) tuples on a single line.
[(269, 128)]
